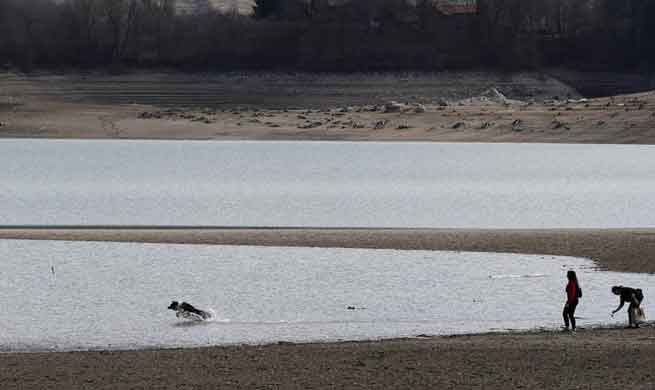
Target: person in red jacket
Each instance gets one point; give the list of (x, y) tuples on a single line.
[(573, 294)]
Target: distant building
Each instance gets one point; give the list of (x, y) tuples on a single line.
[(452, 7), (193, 7)]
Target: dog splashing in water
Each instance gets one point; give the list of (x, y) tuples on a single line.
[(188, 311)]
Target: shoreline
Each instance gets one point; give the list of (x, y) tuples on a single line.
[(460, 107), (626, 250), (536, 331), (595, 357)]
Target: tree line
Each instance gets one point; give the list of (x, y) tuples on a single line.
[(328, 35)]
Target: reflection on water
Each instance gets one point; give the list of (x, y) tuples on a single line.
[(115, 295), (326, 184)]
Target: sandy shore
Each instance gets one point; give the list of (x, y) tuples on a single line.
[(599, 359), (630, 250), (593, 359), (448, 108)]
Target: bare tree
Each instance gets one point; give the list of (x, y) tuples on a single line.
[(121, 16)]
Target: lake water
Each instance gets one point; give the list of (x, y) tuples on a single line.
[(326, 184), (75, 295)]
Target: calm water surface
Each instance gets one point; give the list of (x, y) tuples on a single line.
[(113, 295), (325, 184)]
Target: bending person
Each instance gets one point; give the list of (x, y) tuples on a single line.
[(632, 295)]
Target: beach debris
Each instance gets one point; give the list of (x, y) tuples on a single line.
[(442, 103), (3, 124), (148, 115), (559, 125), (311, 125), (494, 95), (379, 125), (403, 126), (517, 125), (486, 125), (600, 123), (420, 109), (458, 125), (491, 96)]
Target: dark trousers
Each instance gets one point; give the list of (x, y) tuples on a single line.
[(568, 314)]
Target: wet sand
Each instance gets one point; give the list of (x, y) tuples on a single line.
[(599, 359)]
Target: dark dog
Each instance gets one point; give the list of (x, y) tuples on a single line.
[(188, 311)]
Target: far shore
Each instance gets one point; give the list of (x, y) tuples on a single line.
[(628, 250), (446, 107)]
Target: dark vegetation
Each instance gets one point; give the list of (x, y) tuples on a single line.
[(318, 35)]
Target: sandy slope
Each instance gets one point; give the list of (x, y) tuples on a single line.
[(624, 119), (447, 108)]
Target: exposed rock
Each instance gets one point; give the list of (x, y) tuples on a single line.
[(392, 107), (311, 125), (379, 125)]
